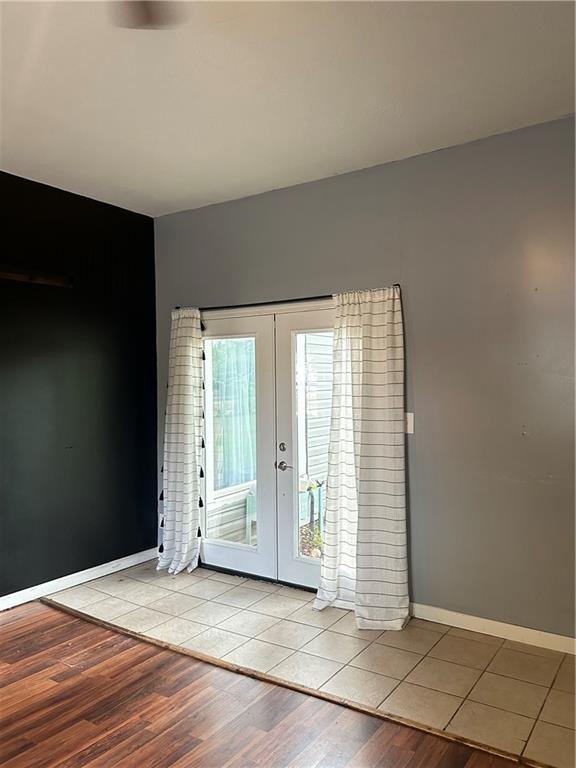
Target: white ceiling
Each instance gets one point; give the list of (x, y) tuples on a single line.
[(247, 97)]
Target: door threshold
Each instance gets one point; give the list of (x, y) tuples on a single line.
[(255, 576)]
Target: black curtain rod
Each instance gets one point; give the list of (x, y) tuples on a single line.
[(271, 303), (263, 303)]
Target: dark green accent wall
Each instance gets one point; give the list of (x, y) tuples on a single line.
[(77, 384)]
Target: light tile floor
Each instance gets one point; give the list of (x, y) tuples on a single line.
[(504, 694)]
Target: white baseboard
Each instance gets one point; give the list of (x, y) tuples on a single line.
[(73, 579), (499, 628)]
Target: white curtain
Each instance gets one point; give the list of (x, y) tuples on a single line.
[(364, 559), (182, 444)]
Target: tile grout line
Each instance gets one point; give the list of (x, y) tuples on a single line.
[(249, 578), (247, 581), (466, 666), (397, 681), (269, 671), (300, 650), (534, 719), (537, 719), (255, 637), (137, 605), (344, 664), (465, 699), (375, 642), (500, 709), (348, 664), (240, 610), (403, 679)]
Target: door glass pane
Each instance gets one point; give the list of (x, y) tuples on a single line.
[(230, 411), (314, 402)]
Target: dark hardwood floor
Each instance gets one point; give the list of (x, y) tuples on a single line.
[(75, 694)]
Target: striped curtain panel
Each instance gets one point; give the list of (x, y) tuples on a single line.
[(182, 445), (364, 558)]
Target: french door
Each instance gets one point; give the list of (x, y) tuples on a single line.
[(268, 389)]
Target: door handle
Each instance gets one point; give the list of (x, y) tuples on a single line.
[(282, 466)]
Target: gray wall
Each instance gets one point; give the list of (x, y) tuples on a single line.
[(480, 237)]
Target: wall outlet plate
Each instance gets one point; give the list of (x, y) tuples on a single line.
[(409, 423)]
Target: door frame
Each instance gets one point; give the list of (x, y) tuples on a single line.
[(264, 559)]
